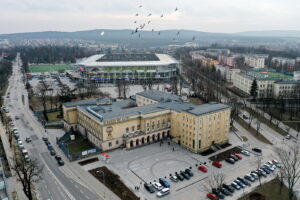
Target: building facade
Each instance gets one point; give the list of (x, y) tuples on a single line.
[(151, 116), (255, 61)]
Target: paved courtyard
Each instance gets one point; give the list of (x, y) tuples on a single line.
[(148, 163)]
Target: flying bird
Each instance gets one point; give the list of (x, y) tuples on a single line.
[(137, 14), (134, 22), (149, 22), (158, 32), (102, 33), (149, 15), (194, 38), (140, 6), (176, 9), (136, 30), (162, 15), (152, 29), (178, 33)]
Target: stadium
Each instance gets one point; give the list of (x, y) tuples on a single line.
[(103, 68)]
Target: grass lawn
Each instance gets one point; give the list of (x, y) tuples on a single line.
[(251, 130), (79, 147), (53, 116), (48, 68), (270, 190)]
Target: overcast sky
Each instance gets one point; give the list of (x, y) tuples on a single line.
[(225, 16)]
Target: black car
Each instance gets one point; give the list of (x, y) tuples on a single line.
[(218, 193), (257, 150), (44, 139), (225, 191), (249, 178), (234, 157), (189, 172), (57, 157), (228, 187), (180, 177), (28, 139), (52, 152), (243, 180), (229, 160), (60, 162), (185, 175), (47, 142), (149, 188)]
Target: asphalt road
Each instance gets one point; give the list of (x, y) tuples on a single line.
[(55, 185)]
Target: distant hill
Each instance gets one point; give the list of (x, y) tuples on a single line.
[(273, 33), (154, 39)]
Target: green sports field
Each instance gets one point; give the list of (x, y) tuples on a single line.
[(275, 75), (48, 68)]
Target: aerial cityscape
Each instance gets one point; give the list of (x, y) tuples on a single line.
[(146, 100)]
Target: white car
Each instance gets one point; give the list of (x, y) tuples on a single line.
[(288, 137), (157, 186), (253, 175), (276, 163), (163, 192), (246, 153)]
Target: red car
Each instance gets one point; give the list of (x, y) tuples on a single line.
[(238, 156), (212, 196), (217, 164), (202, 168)]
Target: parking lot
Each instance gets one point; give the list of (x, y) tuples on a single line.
[(151, 162)]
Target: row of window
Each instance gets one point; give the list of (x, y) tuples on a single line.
[(110, 143)]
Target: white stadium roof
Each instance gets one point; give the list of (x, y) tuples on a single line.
[(92, 61)]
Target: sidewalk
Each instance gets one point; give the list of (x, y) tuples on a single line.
[(11, 182)]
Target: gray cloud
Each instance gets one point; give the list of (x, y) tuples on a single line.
[(203, 15)]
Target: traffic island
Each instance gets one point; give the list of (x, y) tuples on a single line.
[(113, 182)]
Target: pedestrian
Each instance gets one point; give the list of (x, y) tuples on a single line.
[(173, 149), (297, 134), (169, 143), (160, 144)]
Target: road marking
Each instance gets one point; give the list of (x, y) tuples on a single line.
[(191, 184)]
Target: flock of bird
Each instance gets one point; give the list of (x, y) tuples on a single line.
[(138, 28)]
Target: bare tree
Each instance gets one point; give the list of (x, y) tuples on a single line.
[(258, 165), (251, 116), (215, 180), (290, 167), (28, 173), (258, 123), (122, 88)]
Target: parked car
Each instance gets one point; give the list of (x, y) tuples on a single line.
[(28, 139), (229, 160), (235, 185), (202, 168), (224, 191), (269, 167), (233, 157), (238, 156), (267, 171), (262, 172), (218, 193), (180, 177), (164, 183), (249, 178), (246, 153), (174, 178), (185, 175), (50, 147), (275, 162), (157, 186), (52, 153), (60, 162), (163, 192), (239, 183), (254, 175), (44, 139), (149, 187), (20, 144), (271, 164), (217, 164), (189, 172), (57, 157), (212, 196), (27, 158), (47, 142), (17, 117), (228, 187), (257, 150), (288, 137), (243, 180)]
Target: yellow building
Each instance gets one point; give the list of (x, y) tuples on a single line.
[(150, 116)]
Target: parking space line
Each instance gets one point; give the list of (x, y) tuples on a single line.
[(192, 183), (138, 176)]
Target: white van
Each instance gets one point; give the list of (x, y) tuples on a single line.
[(163, 192)]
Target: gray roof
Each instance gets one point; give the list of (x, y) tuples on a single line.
[(159, 96), (127, 108), (87, 102)]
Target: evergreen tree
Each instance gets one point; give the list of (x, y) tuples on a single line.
[(254, 87)]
